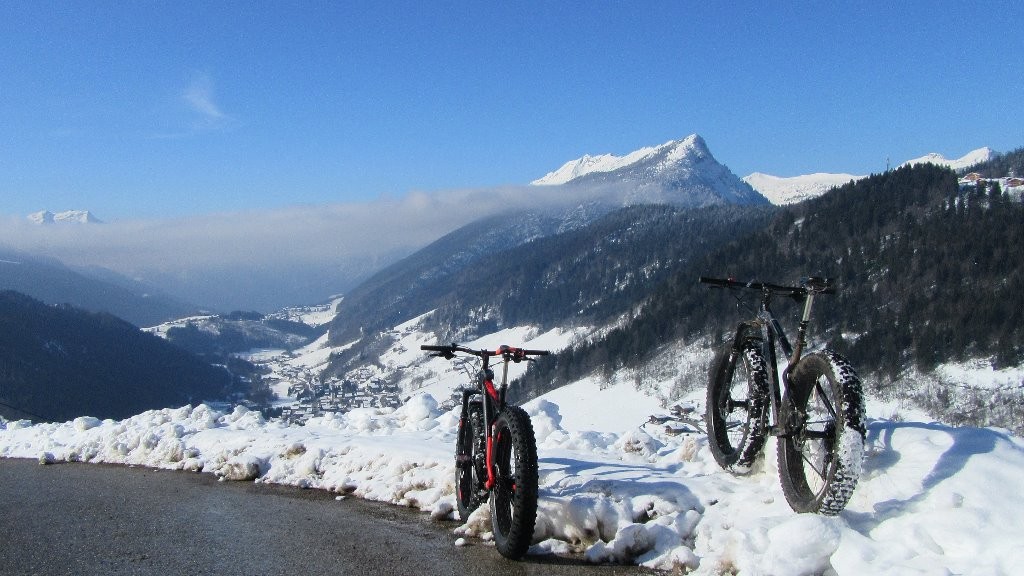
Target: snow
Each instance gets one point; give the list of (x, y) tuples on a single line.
[(780, 191), (980, 373), (161, 329), (966, 161), (609, 162), (932, 498), (67, 216), (311, 315)]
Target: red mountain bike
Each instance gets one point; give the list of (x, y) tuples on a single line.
[(496, 452)]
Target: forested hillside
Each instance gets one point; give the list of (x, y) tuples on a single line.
[(590, 276), (587, 275), (928, 273), (60, 362), (413, 285)]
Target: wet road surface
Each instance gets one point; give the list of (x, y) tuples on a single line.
[(98, 519)]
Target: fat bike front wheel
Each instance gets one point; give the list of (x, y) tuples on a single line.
[(820, 457), (737, 403), (514, 496)]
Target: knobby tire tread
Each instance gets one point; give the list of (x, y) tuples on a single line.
[(514, 511), (738, 459), (845, 452), (468, 488)]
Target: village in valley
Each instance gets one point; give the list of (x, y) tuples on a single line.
[(315, 398)]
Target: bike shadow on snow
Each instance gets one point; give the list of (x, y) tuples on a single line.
[(882, 458), (610, 478), (597, 497)]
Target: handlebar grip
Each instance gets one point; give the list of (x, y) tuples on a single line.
[(819, 284), (434, 348), (536, 352), (719, 282)]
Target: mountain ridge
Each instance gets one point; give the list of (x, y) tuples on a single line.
[(44, 217), (609, 162), (679, 172), (782, 190), (98, 290)]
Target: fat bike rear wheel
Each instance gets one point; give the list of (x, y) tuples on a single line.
[(737, 403), (469, 461), (514, 496), (820, 458)]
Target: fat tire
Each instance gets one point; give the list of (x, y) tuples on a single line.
[(736, 434), (514, 496), (819, 474), (468, 456)]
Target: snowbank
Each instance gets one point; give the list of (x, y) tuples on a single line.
[(933, 499)]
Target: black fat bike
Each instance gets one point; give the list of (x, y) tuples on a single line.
[(496, 452), (815, 408)]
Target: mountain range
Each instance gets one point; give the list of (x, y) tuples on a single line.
[(790, 190), (618, 267), (64, 217), (279, 270), (626, 281)]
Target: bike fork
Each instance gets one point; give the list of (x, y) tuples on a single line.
[(490, 462)]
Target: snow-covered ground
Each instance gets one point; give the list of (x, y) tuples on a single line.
[(932, 500), (311, 315)]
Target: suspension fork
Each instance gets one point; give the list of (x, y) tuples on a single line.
[(785, 415), (493, 399), (801, 333), (773, 333)]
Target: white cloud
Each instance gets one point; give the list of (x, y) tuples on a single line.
[(199, 96)]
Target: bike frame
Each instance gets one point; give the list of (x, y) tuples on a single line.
[(492, 398), (771, 335), (493, 402)]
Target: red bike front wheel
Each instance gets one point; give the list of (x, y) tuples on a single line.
[(514, 496)]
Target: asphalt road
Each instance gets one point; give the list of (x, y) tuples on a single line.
[(96, 519)]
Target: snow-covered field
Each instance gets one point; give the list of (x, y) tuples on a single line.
[(932, 500)]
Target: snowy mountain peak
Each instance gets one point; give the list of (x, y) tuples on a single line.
[(679, 172), (67, 216), (674, 150), (967, 160), (779, 190)]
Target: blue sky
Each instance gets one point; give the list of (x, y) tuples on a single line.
[(166, 109)]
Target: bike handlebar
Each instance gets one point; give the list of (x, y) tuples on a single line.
[(448, 351), (808, 285)]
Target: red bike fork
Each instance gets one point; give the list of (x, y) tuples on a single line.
[(491, 480)]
